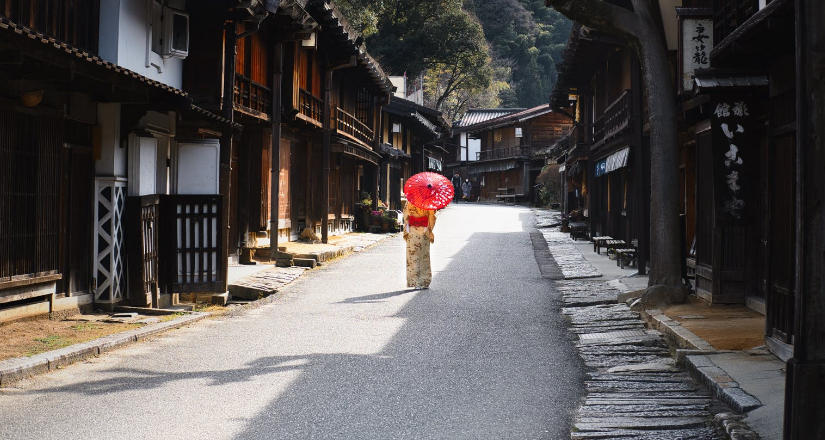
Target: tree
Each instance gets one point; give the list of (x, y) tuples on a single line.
[(640, 28), (435, 37)]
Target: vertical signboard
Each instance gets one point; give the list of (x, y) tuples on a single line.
[(732, 145), (696, 37)]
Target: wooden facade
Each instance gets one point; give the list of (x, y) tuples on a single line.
[(744, 254), (309, 114), (508, 160), (411, 137)]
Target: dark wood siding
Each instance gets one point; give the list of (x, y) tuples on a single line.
[(30, 156), (73, 21)]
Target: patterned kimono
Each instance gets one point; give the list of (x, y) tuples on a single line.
[(418, 233)]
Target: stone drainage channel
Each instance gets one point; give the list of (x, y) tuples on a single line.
[(633, 390)]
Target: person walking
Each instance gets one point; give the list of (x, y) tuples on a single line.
[(425, 193), (456, 181), (466, 189), (418, 233)]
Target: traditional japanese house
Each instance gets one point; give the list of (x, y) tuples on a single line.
[(605, 157), (462, 148), (571, 153), (411, 141), (506, 163), (89, 129), (737, 62), (302, 162)]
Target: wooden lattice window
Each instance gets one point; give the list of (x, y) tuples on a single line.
[(30, 148)]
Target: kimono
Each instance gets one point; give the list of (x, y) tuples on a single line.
[(418, 233)]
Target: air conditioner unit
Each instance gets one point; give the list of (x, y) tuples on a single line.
[(171, 32)]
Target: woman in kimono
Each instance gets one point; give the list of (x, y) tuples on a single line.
[(466, 189), (418, 233)]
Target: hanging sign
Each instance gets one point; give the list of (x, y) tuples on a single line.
[(697, 42), (732, 154)]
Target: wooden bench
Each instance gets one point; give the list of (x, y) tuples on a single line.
[(506, 195), (611, 244), (598, 242), (627, 254), (578, 229)]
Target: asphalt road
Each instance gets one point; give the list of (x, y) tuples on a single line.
[(346, 352)]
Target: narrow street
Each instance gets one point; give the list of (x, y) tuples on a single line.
[(345, 352)]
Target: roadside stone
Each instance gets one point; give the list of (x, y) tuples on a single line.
[(305, 262), (263, 284), (634, 390), (571, 262)]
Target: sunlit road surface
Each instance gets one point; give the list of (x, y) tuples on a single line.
[(346, 352)]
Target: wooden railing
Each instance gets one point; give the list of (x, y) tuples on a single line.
[(730, 14), (252, 96), (311, 107), (615, 119), (348, 125), (191, 235), (503, 153)]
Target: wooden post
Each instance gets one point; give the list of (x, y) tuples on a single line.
[(805, 377), (275, 149), (326, 154), (226, 137), (641, 188)]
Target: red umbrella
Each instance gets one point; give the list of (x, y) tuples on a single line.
[(429, 190)]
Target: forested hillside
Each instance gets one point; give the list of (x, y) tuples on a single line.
[(473, 53), (526, 40)]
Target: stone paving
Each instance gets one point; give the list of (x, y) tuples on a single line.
[(571, 262), (634, 390)]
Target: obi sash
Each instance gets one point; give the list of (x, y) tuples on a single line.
[(419, 221)]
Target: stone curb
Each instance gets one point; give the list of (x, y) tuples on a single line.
[(324, 256), (723, 386), (675, 335), (16, 369)]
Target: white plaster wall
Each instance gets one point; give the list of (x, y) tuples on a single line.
[(400, 84), (112, 160), (124, 28)]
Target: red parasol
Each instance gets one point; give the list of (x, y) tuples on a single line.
[(429, 190)]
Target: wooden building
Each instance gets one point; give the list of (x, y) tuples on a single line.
[(738, 153), (412, 142), (308, 97), (605, 159), (505, 148), (93, 164)]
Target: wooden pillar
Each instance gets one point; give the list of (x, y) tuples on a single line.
[(326, 154), (805, 377), (226, 139), (275, 149), (641, 188)]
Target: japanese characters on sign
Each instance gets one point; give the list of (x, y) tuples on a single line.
[(697, 42), (731, 139)]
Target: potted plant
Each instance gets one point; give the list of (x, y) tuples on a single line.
[(377, 217), (391, 220)]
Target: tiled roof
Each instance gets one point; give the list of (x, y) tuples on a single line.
[(509, 116), (477, 115), (62, 46)]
